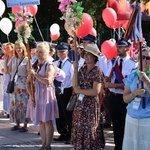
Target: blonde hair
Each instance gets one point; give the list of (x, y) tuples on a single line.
[(4, 44), (45, 47), (22, 46), (12, 45)]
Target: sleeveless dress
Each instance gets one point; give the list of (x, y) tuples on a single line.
[(86, 129), (46, 105)]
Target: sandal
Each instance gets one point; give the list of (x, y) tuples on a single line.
[(14, 128), (23, 129), (48, 148)]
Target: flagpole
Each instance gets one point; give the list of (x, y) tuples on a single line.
[(30, 66), (141, 68), (76, 59)]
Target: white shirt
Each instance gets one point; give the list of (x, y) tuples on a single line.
[(104, 64), (1, 65), (80, 62), (67, 67), (128, 66), (50, 59)]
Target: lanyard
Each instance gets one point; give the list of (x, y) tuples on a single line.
[(62, 64), (147, 72)]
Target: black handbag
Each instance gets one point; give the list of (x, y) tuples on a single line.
[(11, 84), (72, 102), (57, 87), (10, 87)]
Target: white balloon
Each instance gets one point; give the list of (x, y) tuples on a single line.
[(2, 7), (54, 28), (113, 40), (6, 25)]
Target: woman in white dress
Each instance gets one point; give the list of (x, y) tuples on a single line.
[(8, 49)]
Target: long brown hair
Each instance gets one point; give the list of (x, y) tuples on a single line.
[(22, 46)]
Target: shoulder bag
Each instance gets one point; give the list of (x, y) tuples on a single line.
[(10, 86), (72, 102)]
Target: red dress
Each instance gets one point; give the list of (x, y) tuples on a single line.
[(86, 130)]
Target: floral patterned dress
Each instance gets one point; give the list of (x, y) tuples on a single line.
[(86, 130), (19, 99)]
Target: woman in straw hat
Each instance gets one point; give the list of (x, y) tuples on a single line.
[(86, 130)]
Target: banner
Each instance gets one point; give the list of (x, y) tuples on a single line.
[(13, 3)]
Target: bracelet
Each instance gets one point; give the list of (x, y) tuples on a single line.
[(132, 95)]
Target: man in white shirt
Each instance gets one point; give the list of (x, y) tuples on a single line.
[(64, 122), (124, 65)]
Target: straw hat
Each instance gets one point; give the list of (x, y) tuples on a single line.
[(91, 48)]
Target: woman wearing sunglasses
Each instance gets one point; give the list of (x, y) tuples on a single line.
[(137, 127)]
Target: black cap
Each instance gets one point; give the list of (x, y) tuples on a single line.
[(62, 46), (123, 42), (90, 37)]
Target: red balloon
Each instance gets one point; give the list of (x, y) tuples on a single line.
[(93, 32), (122, 22), (16, 9), (110, 2), (121, 8), (125, 24), (113, 26), (85, 26), (109, 16), (32, 9), (109, 49), (55, 37)]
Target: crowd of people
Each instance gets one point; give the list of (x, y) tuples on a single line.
[(44, 86)]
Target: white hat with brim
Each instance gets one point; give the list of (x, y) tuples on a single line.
[(91, 48)]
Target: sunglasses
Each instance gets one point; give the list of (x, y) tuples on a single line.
[(71, 42), (146, 57)]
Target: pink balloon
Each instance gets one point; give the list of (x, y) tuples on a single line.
[(32, 9), (93, 32), (86, 26), (109, 16), (16, 9), (55, 37), (109, 49)]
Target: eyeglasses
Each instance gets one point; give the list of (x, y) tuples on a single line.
[(146, 57)]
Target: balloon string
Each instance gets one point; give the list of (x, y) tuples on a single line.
[(8, 38), (38, 28)]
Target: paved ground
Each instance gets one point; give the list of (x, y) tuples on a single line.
[(13, 140)]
